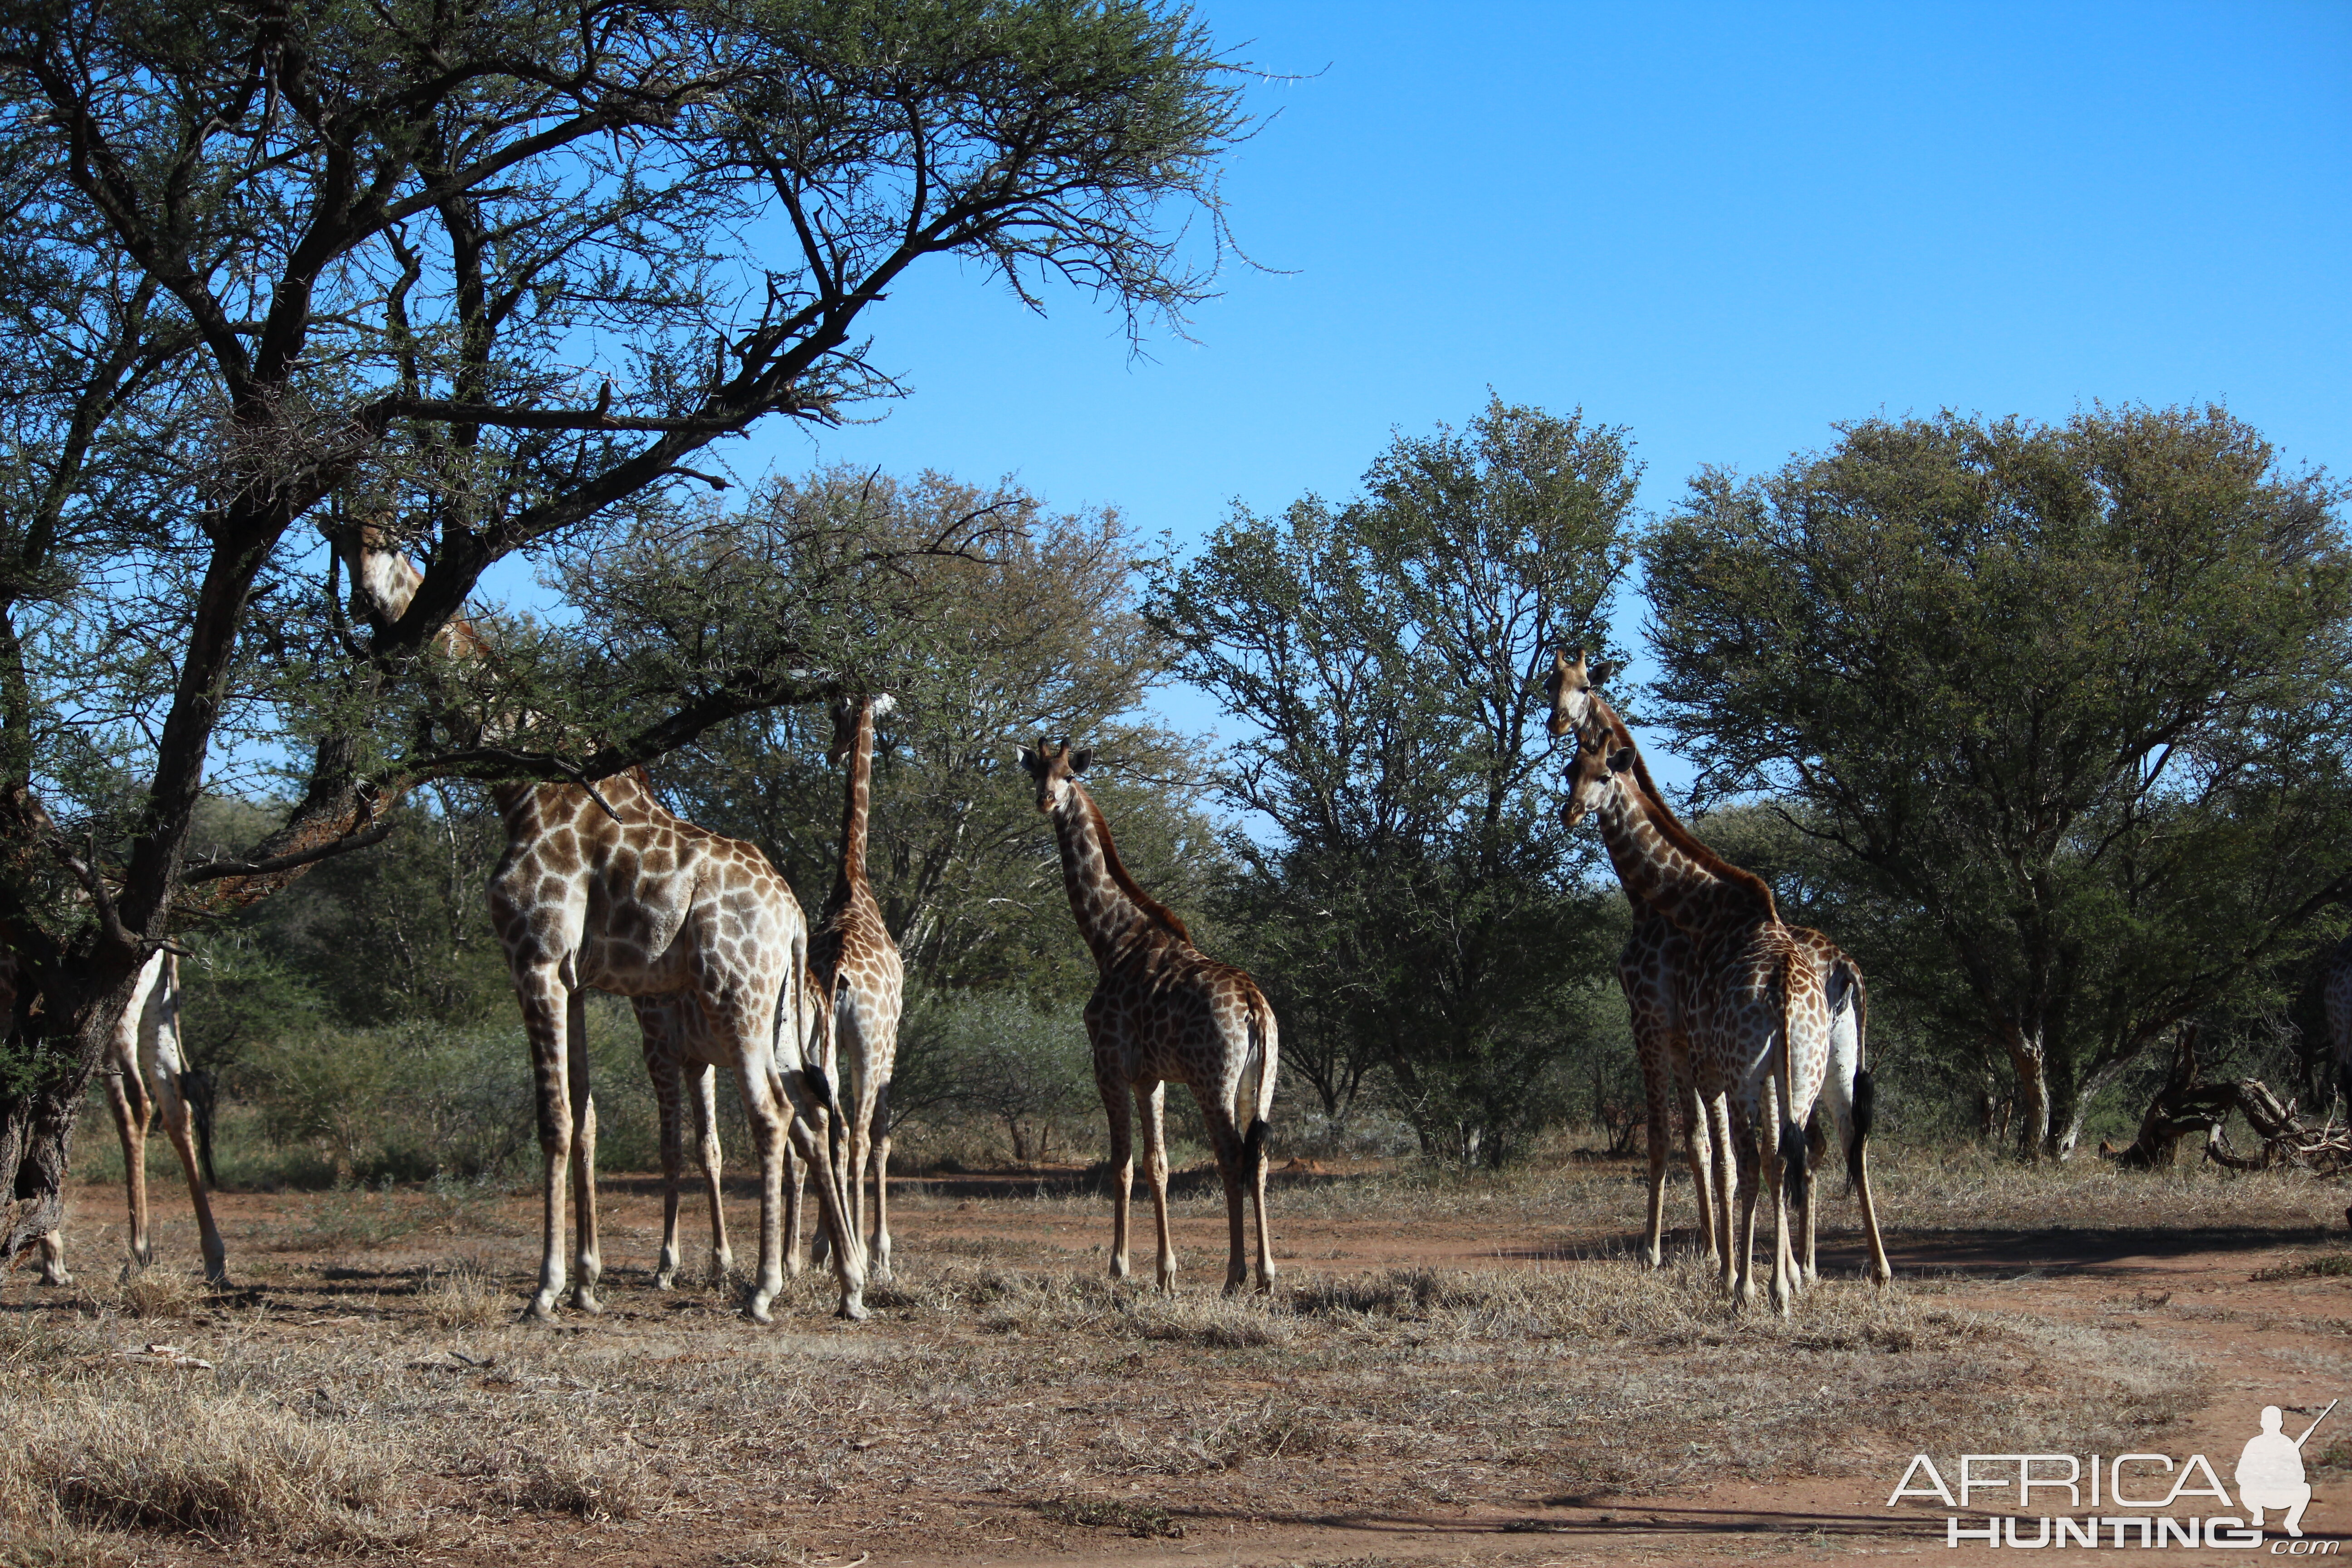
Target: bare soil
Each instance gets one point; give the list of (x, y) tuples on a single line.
[(1450, 1370)]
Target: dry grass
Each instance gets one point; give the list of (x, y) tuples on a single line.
[(463, 1296), (362, 1398)]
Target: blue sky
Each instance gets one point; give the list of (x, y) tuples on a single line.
[(1724, 226)]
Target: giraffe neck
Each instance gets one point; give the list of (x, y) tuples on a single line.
[(1111, 916), (1660, 877), (856, 802)]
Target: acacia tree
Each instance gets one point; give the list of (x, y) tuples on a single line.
[(1416, 897), (2069, 702), (475, 277), (1042, 637)]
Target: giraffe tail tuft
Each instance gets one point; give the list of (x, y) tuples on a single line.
[(1866, 1105), (1796, 1162), (1250, 1100)]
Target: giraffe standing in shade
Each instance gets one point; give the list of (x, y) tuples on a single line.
[(1161, 1011), (604, 888), (145, 1079), (1649, 970), (1750, 1002), (856, 964)]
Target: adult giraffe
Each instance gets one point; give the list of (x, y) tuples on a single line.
[(1161, 1011), (1648, 969), (1749, 1001), (602, 887)]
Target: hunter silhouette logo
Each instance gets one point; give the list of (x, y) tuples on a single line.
[(2127, 1499), (2270, 1471)]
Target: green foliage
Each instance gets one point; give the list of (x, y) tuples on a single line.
[(1415, 905), (2069, 703), (1000, 1056), (1041, 635)]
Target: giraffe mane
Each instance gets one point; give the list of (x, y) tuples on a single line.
[(1670, 827), (1159, 913)]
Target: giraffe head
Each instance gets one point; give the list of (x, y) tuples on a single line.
[(1055, 769), (1571, 686), (845, 722), (1597, 772)]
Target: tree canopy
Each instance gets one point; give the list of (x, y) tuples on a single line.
[(2070, 702), (476, 280), (1411, 901)]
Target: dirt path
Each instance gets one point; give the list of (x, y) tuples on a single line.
[(2188, 1292)]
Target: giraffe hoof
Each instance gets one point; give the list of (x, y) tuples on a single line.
[(540, 1309), (757, 1310), (56, 1277), (666, 1280), (583, 1300), (854, 1309)]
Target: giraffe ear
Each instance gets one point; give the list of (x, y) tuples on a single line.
[(1078, 760), (1601, 670), (1621, 760), (1028, 758)]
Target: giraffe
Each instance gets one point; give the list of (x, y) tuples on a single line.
[(858, 965), (145, 1077), (1750, 1001), (675, 1076), (602, 887), (1647, 970), (1161, 1011)]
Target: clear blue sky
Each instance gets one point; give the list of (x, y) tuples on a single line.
[(1724, 226)]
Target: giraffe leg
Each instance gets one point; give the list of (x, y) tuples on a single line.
[(1123, 1163), (589, 1266), (1226, 1144), (849, 1254), (880, 1118), (131, 1127), (53, 1260), (662, 1067), (1657, 1093), (1750, 1159), (768, 1134), (1856, 1127), (1149, 1105), (1254, 1152), (1809, 1270), (176, 1127), (1727, 1183), (797, 1178), (1698, 1152), (158, 1044), (544, 999), (704, 1082)]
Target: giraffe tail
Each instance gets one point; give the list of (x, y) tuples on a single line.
[(1256, 1094), (1795, 1153)]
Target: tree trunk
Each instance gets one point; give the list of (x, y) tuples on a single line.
[(52, 1059), (2031, 1121)]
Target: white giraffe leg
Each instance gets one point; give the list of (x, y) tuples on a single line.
[(702, 1085), (1122, 1161), (1149, 1104), (159, 1039), (589, 1264)]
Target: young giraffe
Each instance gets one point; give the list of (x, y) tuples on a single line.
[(1647, 969), (1161, 1012), (1750, 1001), (674, 1076), (608, 890), (858, 965)]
